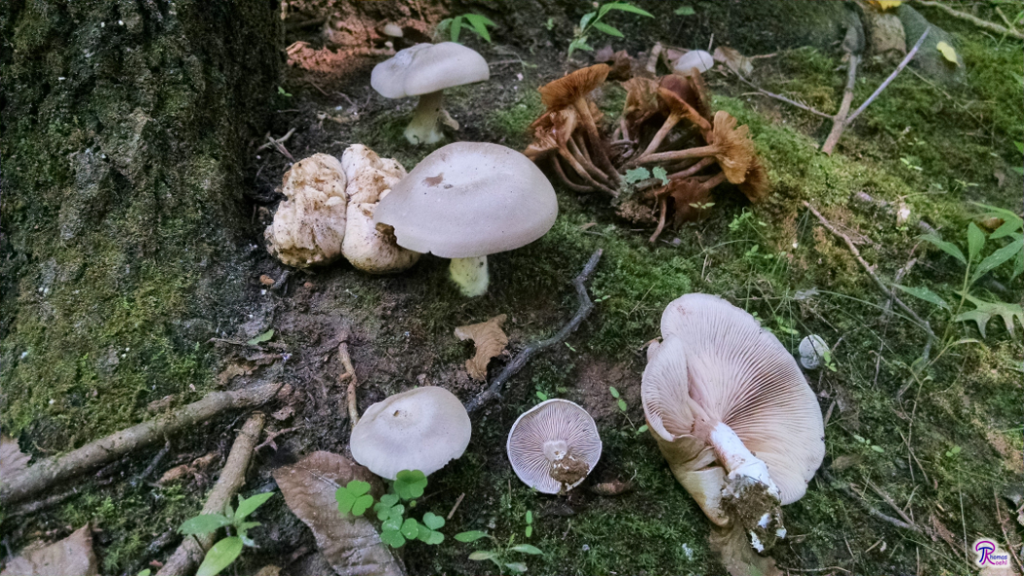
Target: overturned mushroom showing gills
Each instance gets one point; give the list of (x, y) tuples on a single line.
[(309, 225), (422, 429), (467, 200), (554, 446), (368, 246), (731, 412), (426, 70)]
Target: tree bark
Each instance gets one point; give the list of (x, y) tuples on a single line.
[(125, 137)]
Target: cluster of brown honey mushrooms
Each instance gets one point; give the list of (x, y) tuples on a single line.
[(725, 401), (666, 122)]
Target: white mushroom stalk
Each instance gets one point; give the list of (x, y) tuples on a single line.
[(471, 275), (424, 127)]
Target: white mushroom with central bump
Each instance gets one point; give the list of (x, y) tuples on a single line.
[(422, 429), (467, 200), (554, 446), (426, 70)]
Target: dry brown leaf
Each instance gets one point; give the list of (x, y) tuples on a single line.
[(174, 474), (734, 60), (735, 553), (233, 369), (12, 459), (943, 532), (490, 341), (612, 488), (350, 544), (269, 570), (283, 414), (72, 555)]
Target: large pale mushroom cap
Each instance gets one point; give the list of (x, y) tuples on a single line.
[(470, 199), (426, 68), (717, 365), (553, 446), (309, 226), (422, 429)]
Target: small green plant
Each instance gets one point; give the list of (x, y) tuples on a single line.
[(529, 523), (549, 24), (684, 11), (953, 452), (281, 92), (867, 444), (500, 555), (593, 21), (478, 23), (624, 409), (227, 549), (975, 267), (354, 498)]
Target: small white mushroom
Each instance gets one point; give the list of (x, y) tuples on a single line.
[(698, 59), (554, 446), (426, 70), (422, 429), (467, 200), (812, 351), (309, 226)]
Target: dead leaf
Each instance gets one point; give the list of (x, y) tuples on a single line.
[(174, 474), (490, 341), (947, 52), (885, 4), (943, 532), (840, 463), (233, 370), (735, 553), (72, 555), (350, 544), (612, 488), (283, 414), (266, 280), (734, 60), (269, 570), (161, 404), (12, 459)]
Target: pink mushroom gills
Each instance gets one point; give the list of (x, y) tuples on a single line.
[(426, 70), (731, 412), (554, 446), (467, 200)]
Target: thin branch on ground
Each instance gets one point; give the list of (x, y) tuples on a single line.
[(350, 374), (888, 208), (871, 510), (493, 392), (781, 98), (272, 436), (192, 550), (888, 500), (49, 471), (991, 26), (923, 324), (455, 507), (854, 45)]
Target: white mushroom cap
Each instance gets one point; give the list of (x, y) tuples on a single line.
[(812, 351), (422, 429), (698, 59), (309, 226), (425, 68), (718, 366), (470, 199), (555, 433)]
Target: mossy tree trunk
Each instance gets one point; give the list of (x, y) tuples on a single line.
[(124, 135)]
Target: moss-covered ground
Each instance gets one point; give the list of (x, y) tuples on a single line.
[(941, 437)]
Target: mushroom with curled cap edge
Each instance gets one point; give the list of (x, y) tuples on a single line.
[(554, 446), (731, 412), (422, 429), (426, 70), (467, 200)]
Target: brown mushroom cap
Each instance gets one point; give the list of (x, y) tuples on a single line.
[(735, 148), (470, 199), (568, 89), (553, 446), (422, 429), (717, 365)]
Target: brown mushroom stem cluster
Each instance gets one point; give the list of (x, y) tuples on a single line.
[(665, 122)]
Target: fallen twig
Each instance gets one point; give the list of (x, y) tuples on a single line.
[(232, 477), (350, 374), (888, 208), (924, 325), (455, 507), (781, 98), (854, 44), (51, 470), (871, 510), (992, 26), (493, 391), (842, 124)]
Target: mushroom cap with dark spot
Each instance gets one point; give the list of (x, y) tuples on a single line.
[(555, 440), (470, 199)]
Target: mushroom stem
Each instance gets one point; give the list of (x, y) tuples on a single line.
[(666, 127), (470, 274), (595, 139), (424, 129), (693, 168), (697, 152), (737, 459)]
